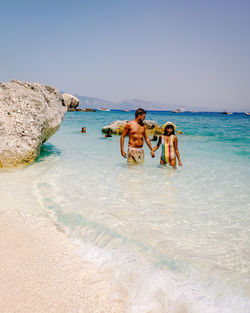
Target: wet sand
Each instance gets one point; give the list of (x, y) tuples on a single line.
[(41, 271)]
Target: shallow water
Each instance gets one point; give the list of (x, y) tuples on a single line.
[(178, 240)]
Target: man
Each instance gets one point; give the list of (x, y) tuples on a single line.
[(136, 132)]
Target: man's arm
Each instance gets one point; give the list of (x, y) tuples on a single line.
[(158, 144), (148, 143), (124, 133)]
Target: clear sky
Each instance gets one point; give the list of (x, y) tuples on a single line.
[(192, 52)]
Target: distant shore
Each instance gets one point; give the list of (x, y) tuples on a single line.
[(41, 271)]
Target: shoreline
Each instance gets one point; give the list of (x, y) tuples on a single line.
[(41, 270)]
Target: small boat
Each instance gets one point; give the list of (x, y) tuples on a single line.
[(226, 112), (247, 113), (124, 110), (178, 111), (103, 109)]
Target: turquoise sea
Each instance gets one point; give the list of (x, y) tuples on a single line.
[(177, 240)]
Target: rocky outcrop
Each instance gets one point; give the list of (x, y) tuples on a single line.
[(71, 101), (29, 115), (116, 127), (152, 127), (83, 110)]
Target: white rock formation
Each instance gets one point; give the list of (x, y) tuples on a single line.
[(29, 115), (71, 101), (152, 127), (116, 127)]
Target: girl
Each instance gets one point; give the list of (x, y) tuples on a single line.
[(169, 145)]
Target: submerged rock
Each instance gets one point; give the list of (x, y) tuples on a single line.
[(29, 115), (152, 127)]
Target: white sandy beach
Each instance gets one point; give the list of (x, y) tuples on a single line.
[(41, 271)]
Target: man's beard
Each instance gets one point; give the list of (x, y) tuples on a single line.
[(141, 122)]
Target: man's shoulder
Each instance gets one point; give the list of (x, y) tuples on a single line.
[(132, 123), (135, 124), (129, 123)]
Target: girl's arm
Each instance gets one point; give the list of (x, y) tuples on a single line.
[(158, 144), (177, 151)]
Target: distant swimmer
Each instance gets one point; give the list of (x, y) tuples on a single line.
[(109, 133), (169, 144), (83, 130), (136, 132)]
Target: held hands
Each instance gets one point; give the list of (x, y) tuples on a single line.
[(152, 154)]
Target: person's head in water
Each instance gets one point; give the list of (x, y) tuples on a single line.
[(109, 133), (140, 115), (83, 130), (169, 129)]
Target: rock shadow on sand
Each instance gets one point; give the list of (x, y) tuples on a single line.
[(48, 150)]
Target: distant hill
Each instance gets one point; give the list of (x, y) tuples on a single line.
[(95, 103), (147, 105)]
